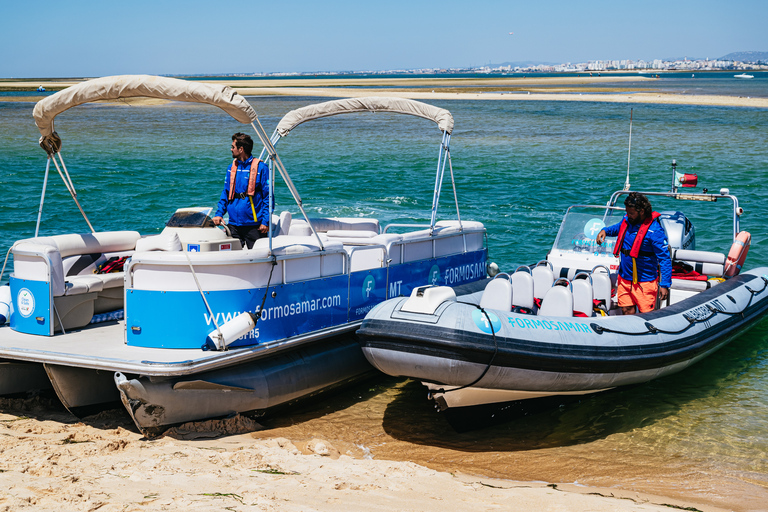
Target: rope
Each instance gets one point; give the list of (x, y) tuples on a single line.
[(202, 294), (266, 292), (493, 357), (5, 261), (651, 329)]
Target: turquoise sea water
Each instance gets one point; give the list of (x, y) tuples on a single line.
[(518, 166)]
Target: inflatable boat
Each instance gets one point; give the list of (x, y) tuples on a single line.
[(89, 314), (554, 329)]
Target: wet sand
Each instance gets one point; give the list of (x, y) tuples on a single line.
[(366, 448), (569, 88)]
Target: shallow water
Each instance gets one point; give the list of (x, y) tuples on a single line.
[(697, 435), (702, 433)]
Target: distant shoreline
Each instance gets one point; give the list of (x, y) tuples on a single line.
[(441, 87)]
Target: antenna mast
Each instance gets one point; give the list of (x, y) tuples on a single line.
[(629, 151)]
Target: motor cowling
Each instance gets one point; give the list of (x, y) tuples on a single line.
[(679, 229)]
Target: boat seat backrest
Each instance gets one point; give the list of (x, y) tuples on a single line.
[(497, 295), (558, 301), (704, 262), (324, 224), (42, 258), (582, 296), (299, 227), (543, 277), (522, 290), (87, 243), (281, 225), (601, 286)]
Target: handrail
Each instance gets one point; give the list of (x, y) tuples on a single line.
[(681, 196)]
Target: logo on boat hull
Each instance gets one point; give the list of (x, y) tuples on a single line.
[(26, 302), (481, 321), (368, 285), (434, 275)]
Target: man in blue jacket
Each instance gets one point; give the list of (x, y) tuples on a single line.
[(246, 193), (644, 249)]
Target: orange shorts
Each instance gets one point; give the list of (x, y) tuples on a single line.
[(642, 295)]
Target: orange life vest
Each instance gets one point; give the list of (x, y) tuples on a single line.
[(253, 174), (641, 232)]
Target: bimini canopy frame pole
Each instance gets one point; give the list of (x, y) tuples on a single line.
[(52, 145), (42, 196), (71, 187), (128, 86), (442, 117), (275, 158), (442, 157), (453, 184)]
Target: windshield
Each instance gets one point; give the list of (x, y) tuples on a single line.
[(191, 218), (580, 228)]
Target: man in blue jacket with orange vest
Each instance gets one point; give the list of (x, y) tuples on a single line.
[(644, 251), (246, 193)]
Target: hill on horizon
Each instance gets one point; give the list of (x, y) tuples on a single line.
[(747, 56)]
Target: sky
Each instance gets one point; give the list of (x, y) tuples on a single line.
[(82, 38)]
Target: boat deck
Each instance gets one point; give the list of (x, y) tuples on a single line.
[(102, 347)]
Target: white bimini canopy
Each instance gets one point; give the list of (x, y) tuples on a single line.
[(292, 119), (131, 86)]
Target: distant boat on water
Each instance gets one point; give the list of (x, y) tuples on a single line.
[(743, 75), (41, 89)]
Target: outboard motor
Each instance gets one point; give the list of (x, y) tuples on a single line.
[(679, 229)]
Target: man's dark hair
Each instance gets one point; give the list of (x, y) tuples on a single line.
[(244, 141), (639, 202)]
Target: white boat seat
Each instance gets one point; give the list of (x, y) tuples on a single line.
[(704, 262), (582, 295), (601, 285), (324, 224), (557, 302), (690, 285), (497, 295), (522, 289), (543, 277), (168, 241), (350, 233), (41, 258), (76, 285), (111, 280)]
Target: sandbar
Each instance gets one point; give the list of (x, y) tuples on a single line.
[(605, 89)]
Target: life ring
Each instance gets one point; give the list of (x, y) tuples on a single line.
[(737, 254)]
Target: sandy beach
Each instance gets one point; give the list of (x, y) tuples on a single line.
[(584, 88), (53, 461)]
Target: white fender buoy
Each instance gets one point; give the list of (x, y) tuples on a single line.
[(231, 331), (5, 304), (737, 254)]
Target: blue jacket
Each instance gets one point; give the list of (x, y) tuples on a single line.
[(656, 243), (240, 213)]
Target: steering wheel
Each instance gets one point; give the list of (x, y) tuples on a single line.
[(226, 229)]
